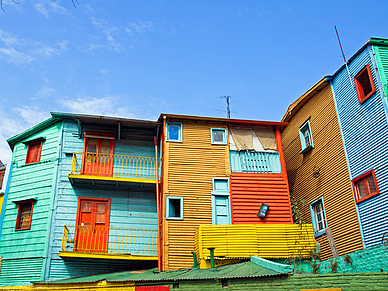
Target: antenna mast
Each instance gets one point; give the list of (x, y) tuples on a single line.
[(227, 99), (343, 55)]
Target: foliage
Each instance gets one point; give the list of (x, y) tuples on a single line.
[(334, 266), (348, 260), (297, 215)]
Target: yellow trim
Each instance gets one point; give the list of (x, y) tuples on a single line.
[(107, 256), (118, 179)]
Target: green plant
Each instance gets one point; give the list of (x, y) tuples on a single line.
[(348, 260), (296, 213), (334, 266)]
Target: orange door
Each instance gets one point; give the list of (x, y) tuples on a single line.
[(98, 157), (92, 230)]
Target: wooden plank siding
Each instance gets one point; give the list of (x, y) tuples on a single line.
[(250, 190), (132, 206), (28, 181), (189, 167), (333, 183)]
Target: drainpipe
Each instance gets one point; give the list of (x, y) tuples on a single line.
[(157, 202), (195, 259), (211, 257)]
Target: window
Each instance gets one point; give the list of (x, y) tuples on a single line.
[(218, 136), (174, 209), (98, 157), (365, 186), (24, 216), (318, 216), (34, 149), (174, 131), (364, 84), (306, 139)]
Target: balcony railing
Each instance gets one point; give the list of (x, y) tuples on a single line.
[(119, 166), (255, 162), (111, 240)]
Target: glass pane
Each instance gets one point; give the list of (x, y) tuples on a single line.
[(92, 145), (221, 185), (25, 215), (101, 211), (173, 132), (306, 135), (360, 185), (371, 184), (86, 206), (218, 136), (174, 208)]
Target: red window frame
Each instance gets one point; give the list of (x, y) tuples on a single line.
[(360, 91), (30, 145), (17, 226), (363, 179)]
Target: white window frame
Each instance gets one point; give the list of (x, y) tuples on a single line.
[(314, 206), (179, 133), (168, 198), (302, 130), (224, 142)]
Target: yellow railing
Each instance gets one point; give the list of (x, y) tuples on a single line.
[(113, 240), (107, 165), (240, 241)]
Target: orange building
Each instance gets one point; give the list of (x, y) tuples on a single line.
[(218, 171), (318, 173)]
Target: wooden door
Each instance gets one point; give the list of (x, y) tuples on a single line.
[(98, 157), (221, 210), (92, 230)]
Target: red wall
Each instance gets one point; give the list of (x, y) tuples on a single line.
[(249, 190), (153, 288)]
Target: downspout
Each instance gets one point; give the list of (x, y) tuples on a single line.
[(157, 202)]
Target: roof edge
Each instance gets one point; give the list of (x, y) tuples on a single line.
[(13, 140), (294, 107), (277, 267)]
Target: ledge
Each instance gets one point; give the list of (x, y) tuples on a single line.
[(109, 256)]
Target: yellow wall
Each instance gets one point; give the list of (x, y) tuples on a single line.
[(334, 182), (188, 170)]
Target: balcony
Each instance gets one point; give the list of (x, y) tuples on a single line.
[(240, 241), (109, 243), (255, 162), (116, 168)]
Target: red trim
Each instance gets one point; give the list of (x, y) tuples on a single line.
[(18, 215), (364, 177), (40, 142), (94, 200), (360, 91), (279, 146)]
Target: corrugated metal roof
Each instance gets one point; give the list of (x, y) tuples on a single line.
[(257, 267)]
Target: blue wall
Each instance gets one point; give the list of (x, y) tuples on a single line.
[(132, 206), (365, 133)]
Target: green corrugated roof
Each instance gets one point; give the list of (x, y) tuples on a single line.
[(257, 267)]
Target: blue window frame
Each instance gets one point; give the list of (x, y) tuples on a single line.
[(221, 214), (174, 131), (218, 136), (318, 216), (174, 208), (306, 139)]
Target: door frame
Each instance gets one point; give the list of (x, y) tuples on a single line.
[(94, 199), (97, 135)]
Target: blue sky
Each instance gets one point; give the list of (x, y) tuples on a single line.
[(136, 59)]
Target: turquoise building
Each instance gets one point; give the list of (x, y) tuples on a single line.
[(82, 199)]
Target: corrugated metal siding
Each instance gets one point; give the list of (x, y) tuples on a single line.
[(132, 206), (328, 156), (20, 271), (250, 190), (365, 131), (188, 171), (245, 240), (29, 181), (381, 53)]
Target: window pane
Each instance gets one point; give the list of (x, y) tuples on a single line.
[(174, 208), (360, 185), (364, 81), (319, 215), (220, 185), (306, 135), (101, 211), (218, 136), (86, 206), (25, 216), (173, 132), (371, 184)]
